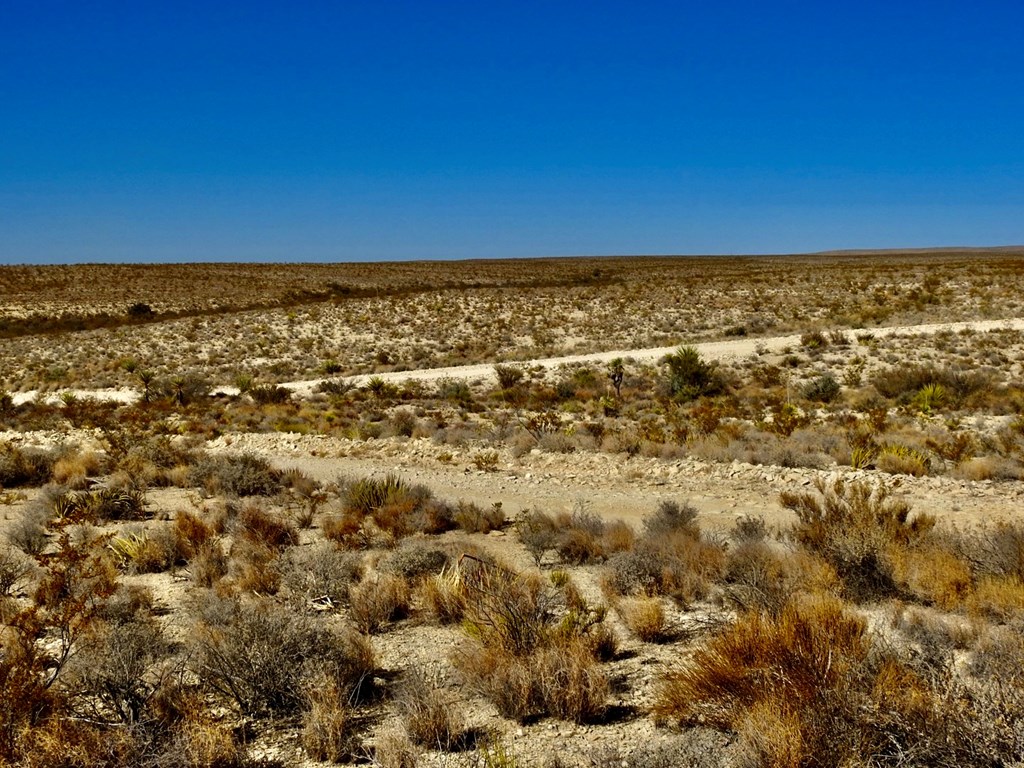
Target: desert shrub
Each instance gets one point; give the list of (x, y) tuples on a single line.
[(690, 377), (346, 530), (183, 389), (414, 560), (580, 537), (403, 422), (242, 475), (260, 655), (28, 531), (270, 394), (860, 531), (320, 573), (327, 733), (569, 682), (190, 533), (508, 376), (933, 575), (208, 564), (455, 391), (537, 532), (671, 517), (814, 340), (144, 552), (111, 677), (645, 617), (377, 600), (996, 550), (394, 749), (823, 389), (473, 519), (671, 558), (26, 466), (15, 568), (681, 566), (562, 680), (931, 386), (259, 526), (749, 529), (533, 644), (254, 567), (427, 715), (117, 504), (759, 577), (808, 686), (900, 459), (368, 494), (73, 470), (998, 598)]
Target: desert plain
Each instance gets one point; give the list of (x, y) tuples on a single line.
[(648, 511)]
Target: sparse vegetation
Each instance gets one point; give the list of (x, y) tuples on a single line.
[(183, 582)]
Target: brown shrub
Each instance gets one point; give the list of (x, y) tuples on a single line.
[(378, 600), (263, 528), (254, 568), (191, 534), (209, 564), (533, 645), (326, 719), (74, 470), (759, 577), (473, 519), (427, 714), (860, 531), (645, 617), (258, 655), (998, 597), (394, 749), (933, 576)]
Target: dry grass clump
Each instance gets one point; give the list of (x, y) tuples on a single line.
[(260, 527), (74, 470), (443, 596), (26, 466), (427, 714), (645, 617), (811, 683), (327, 732), (378, 600), (532, 647)]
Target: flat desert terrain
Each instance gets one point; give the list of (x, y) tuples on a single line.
[(729, 511)]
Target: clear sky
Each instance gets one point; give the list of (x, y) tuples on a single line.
[(218, 130)]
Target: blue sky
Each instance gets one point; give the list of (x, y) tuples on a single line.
[(316, 131)]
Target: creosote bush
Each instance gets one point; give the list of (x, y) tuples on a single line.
[(860, 531), (258, 656), (242, 475)]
